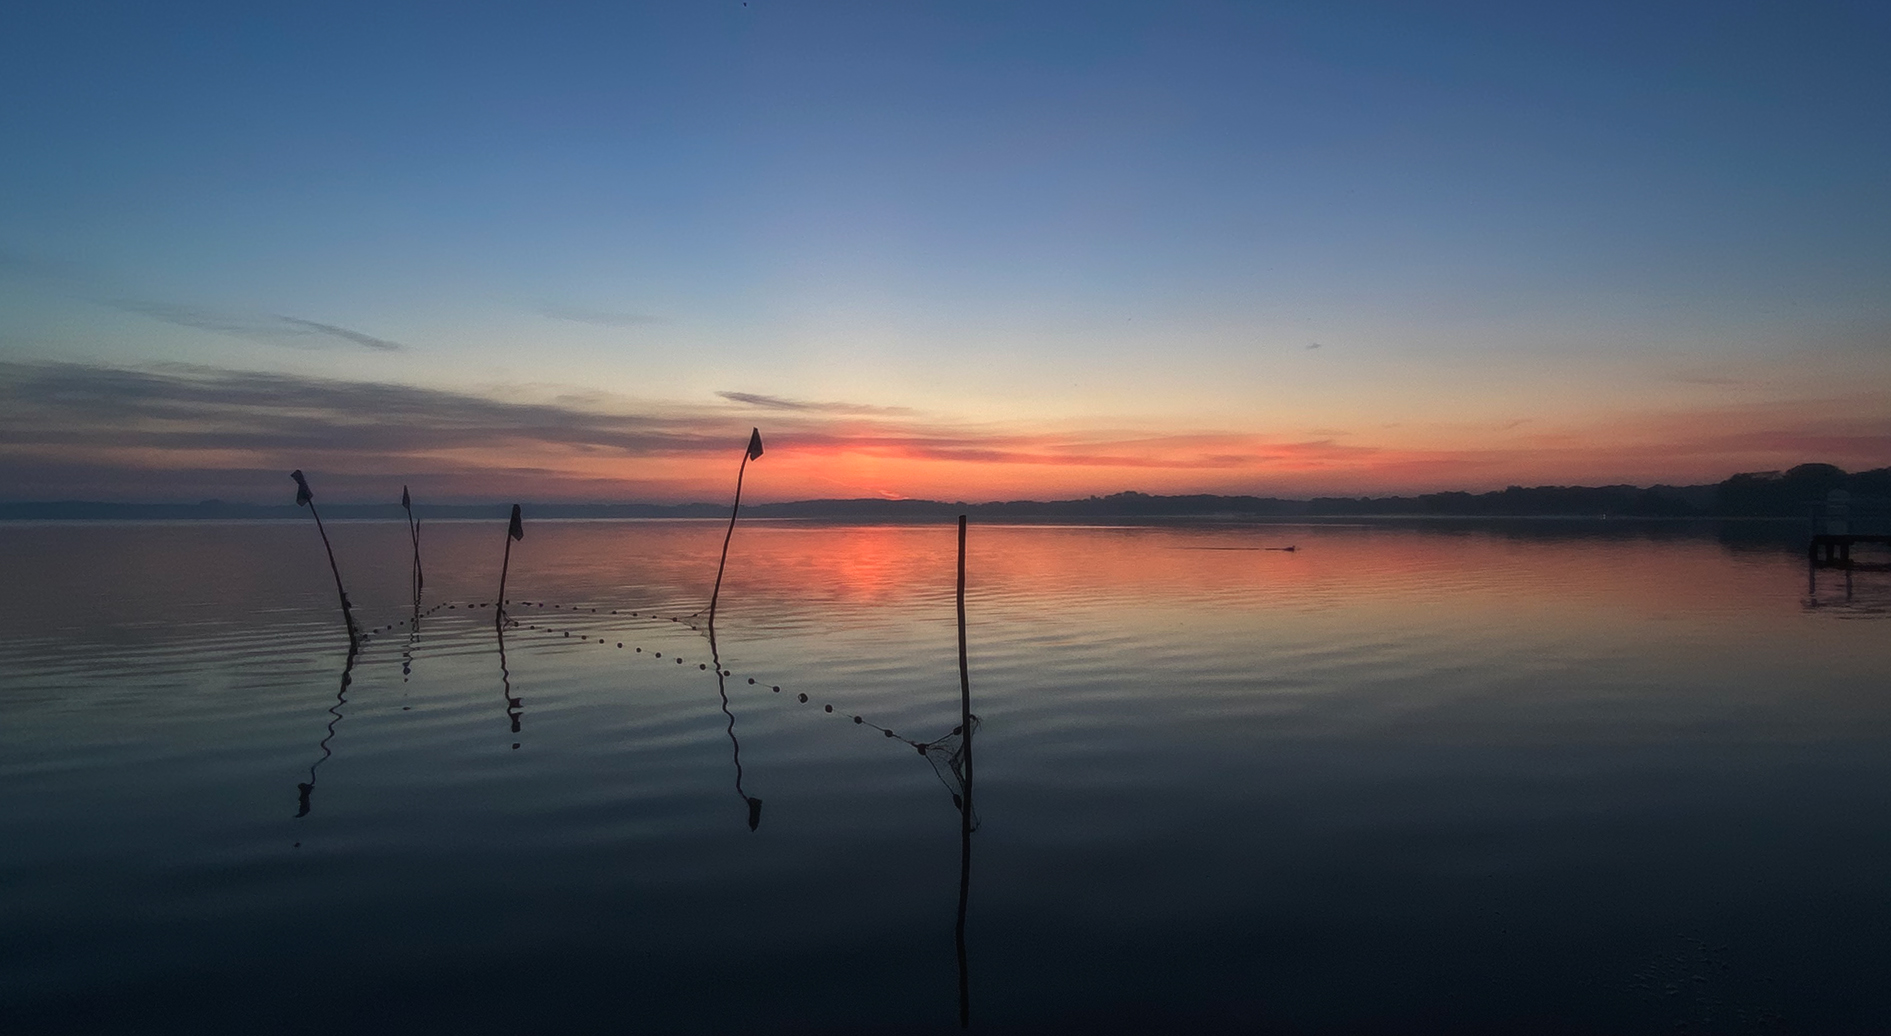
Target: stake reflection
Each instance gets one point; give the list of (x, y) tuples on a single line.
[(307, 788), (735, 746), (515, 707)]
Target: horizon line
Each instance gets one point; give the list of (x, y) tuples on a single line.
[(883, 500)]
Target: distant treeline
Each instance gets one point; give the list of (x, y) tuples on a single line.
[(1769, 494)]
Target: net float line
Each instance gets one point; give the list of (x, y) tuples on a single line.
[(587, 636)]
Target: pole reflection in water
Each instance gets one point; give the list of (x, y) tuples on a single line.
[(735, 746), (413, 642), (515, 709), (307, 788), (951, 760), (967, 822)]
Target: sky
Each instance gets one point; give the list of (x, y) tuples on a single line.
[(574, 252)]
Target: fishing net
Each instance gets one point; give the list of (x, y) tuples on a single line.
[(947, 756)]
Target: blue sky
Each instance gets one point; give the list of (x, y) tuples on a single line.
[(1495, 234)]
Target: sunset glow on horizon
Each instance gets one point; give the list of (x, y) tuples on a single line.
[(938, 251)]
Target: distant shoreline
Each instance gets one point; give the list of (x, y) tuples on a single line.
[(1799, 493), (550, 514)]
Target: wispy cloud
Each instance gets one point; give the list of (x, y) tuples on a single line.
[(344, 333), (203, 319), (128, 433), (189, 407), (600, 317), (93, 287), (755, 399), (276, 330)]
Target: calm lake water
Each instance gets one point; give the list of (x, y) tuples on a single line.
[(1528, 777)]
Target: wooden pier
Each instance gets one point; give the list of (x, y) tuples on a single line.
[(1834, 550)]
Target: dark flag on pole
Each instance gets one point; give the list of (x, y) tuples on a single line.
[(302, 493), (514, 531), (755, 443)]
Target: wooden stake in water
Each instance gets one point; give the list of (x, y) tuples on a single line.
[(514, 531), (965, 809), (305, 497), (754, 451), (413, 531)]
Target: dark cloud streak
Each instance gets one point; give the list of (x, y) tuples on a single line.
[(89, 285), (346, 334), (600, 317), (756, 399), (201, 319), (277, 330), (180, 407)]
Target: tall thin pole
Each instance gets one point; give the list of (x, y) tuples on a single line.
[(499, 613), (965, 677), (306, 497), (965, 810), (514, 531), (754, 450), (413, 531)]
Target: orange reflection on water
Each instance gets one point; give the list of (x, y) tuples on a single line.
[(1468, 572), (1464, 569)]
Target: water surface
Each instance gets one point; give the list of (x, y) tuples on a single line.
[(1441, 778)]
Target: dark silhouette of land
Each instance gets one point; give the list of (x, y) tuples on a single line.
[(1794, 493)]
